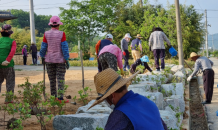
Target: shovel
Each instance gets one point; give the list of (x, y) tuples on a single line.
[(44, 81)]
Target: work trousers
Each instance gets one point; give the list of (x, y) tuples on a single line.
[(108, 60), (34, 58), (126, 60), (135, 55), (99, 66), (9, 75), (208, 78), (159, 54), (24, 60), (137, 63), (56, 71)]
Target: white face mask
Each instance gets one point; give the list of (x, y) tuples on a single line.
[(111, 106)]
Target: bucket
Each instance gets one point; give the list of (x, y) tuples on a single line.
[(172, 51)]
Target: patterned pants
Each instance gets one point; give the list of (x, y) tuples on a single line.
[(56, 71), (159, 53), (108, 60), (9, 75)]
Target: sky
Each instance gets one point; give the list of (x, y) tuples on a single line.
[(50, 7)]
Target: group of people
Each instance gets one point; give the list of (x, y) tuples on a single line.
[(131, 111), (33, 51)]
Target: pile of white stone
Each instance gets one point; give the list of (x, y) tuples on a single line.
[(158, 87)]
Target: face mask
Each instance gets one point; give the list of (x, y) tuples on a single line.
[(111, 106)]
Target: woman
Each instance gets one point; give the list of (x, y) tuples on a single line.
[(142, 61), (24, 53), (7, 49), (110, 56), (55, 47), (156, 43), (124, 48)]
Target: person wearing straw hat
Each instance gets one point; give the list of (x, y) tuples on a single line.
[(33, 49), (204, 64), (7, 48), (131, 111), (134, 47), (124, 48), (55, 47), (142, 61), (156, 43)]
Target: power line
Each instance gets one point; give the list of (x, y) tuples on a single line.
[(199, 4), (10, 2), (35, 5)]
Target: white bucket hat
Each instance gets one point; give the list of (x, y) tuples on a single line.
[(109, 36), (127, 35)]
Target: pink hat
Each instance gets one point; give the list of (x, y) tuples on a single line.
[(55, 20)]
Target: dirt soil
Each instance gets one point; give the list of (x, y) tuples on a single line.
[(73, 79), (198, 120)]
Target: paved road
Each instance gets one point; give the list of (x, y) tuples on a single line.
[(212, 108), (40, 68)]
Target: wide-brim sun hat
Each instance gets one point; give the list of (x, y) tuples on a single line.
[(55, 20), (107, 82), (193, 54), (139, 36)]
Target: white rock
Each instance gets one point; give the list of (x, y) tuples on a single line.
[(77, 128), (179, 89), (169, 118), (84, 121), (168, 88), (176, 101), (177, 68), (169, 65), (143, 87)]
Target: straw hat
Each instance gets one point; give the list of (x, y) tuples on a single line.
[(107, 82), (192, 55), (138, 36)]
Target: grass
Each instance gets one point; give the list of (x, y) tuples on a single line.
[(18, 69), (94, 63)]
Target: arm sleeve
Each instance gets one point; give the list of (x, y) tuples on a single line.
[(22, 51), (43, 49), (195, 69), (119, 58), (122, 48), (13, 51), (97, 47), (140, 45), (65, 50), (44, 39), (64, 37), (166, 39), (30, 48), (211, 62), (151, 40)]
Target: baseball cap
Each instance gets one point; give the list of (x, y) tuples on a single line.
[(6, 28), (128, 35), (55, 20), (109, 36)]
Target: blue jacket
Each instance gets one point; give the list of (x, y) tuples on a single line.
[(142, 112), (135, 43), (104, 43)]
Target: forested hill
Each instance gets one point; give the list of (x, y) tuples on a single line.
[(41, 21)]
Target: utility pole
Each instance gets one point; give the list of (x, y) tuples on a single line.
[(81, 59), (206, 39), (179, 33), (32, 23), (141, 3)]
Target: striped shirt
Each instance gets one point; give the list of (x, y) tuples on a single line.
[(114, 49)]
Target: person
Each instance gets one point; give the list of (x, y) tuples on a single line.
[(142, 61), (124, 48), (7, 48), (134, 47), (33, 49), (25, 55), (205, 64), (110, 56), (56, 59), (101, 44), (156, 43), (131, 111)]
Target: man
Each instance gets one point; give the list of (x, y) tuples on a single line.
[(101, 44), (131, 111), (33, 49), (56, 60), (110, 56), (156, 43), (134, 46), (7, 49), (205, 65), (124, 48)]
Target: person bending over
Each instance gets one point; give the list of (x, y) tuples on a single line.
[(142, 61)]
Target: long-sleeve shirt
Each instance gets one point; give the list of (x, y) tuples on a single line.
[(134, 45), (13, 51), (202, 63), (156, 40), (113, 49), (33, 49), (24, 52), (124, 45)]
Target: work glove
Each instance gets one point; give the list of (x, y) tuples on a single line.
[(124, 53), (122, 72), (67, 64), (5, 63), (43, 61), (189, 78)]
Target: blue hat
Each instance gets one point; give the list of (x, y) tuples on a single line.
[(144, 59)]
